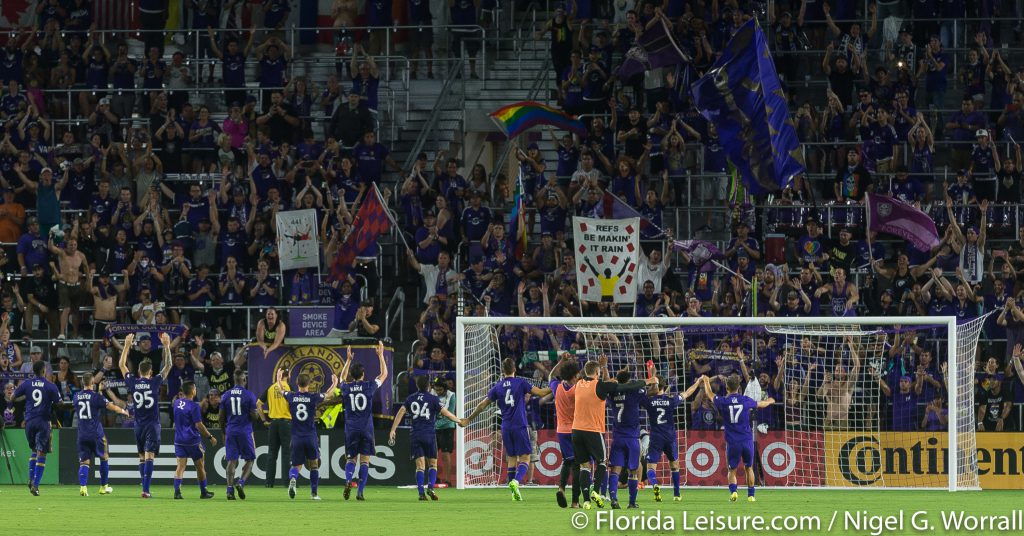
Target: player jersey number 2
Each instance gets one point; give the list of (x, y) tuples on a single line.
[(660, 418), (734, 413)]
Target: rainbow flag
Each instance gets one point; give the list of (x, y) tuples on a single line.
[(517, 223), (518, 117)]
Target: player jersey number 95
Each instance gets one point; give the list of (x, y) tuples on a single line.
[(143, 399)]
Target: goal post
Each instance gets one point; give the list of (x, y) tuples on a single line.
[(830, 433)]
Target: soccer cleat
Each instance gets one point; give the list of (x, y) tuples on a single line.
[(83, 491), (560, 499), (177, 495), (677, 499), (657, 493), (105, 490), (751, 499), (315, 498), (206, 495), (586, 505), (348, 490), (291, 488), (632, 505), (240, 491), (34, 490), (615, 505), (146, 495), (433, 496), (597, 499), (359, 497), (231, 496), (423, 497), (514, 486), (733, 496)]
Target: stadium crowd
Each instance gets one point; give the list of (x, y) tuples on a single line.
[(91, 217)]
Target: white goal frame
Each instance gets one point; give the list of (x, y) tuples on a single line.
[(670, 322)]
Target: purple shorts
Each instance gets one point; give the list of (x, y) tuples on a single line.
[(304, 449), (239, 446), (359, 442), (735, 453), (192, 452), (38, 435), (565, 445), (625, 453), (516, 441), (89, 448), (147, 438), (423, 446), (662, 445)]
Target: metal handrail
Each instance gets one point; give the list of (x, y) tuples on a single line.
[(453, 73), (395, 311)]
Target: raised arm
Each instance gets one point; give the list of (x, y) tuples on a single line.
[(383, 364), (123, 362)]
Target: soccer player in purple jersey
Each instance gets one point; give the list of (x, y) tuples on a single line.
[(238, 410), (305, 445), (664, 438), (188, 424), (735, 409), (423, 407), (145, 392), (40, 396), (510, 395), (625, 452), (92, 442), (357, 400)]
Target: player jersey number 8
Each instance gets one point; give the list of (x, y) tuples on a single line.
[(358, 401), (143, 399), (301, 413)]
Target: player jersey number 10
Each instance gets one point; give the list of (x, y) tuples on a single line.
[(357, 401)]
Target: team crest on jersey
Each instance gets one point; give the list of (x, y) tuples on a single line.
[(318, 362), (884, 209)]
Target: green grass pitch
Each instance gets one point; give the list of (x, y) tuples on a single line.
[(60, 510)]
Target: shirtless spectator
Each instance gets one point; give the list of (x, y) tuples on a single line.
[(104, 302), (70, 286), (837, 390)]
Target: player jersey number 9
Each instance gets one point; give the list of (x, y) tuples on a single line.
[(142, 399), (301, 413), (357, 401), (37, 397), (734, 413)]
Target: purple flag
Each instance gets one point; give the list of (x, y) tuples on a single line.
[(888, 215), (655, 48), (701, 252), (617, 209)]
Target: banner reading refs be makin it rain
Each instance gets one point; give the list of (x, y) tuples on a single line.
[(607, 253)]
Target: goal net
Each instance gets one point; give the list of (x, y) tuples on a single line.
[(860, 402)]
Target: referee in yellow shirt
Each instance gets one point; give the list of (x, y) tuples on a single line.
[(273, 404)]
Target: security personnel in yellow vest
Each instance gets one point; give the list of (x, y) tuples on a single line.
[(273, 404), (331, 409)]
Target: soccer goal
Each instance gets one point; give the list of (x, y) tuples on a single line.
[(861, 402)]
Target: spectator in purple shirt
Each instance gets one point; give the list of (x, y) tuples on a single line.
[(371, 157), (904, 401), (475, 219), (962, 127)]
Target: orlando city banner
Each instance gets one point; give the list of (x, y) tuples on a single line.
[(318, 362), (607, 253), (297, 243)]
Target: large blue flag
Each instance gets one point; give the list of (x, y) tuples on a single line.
[(743, 97)]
